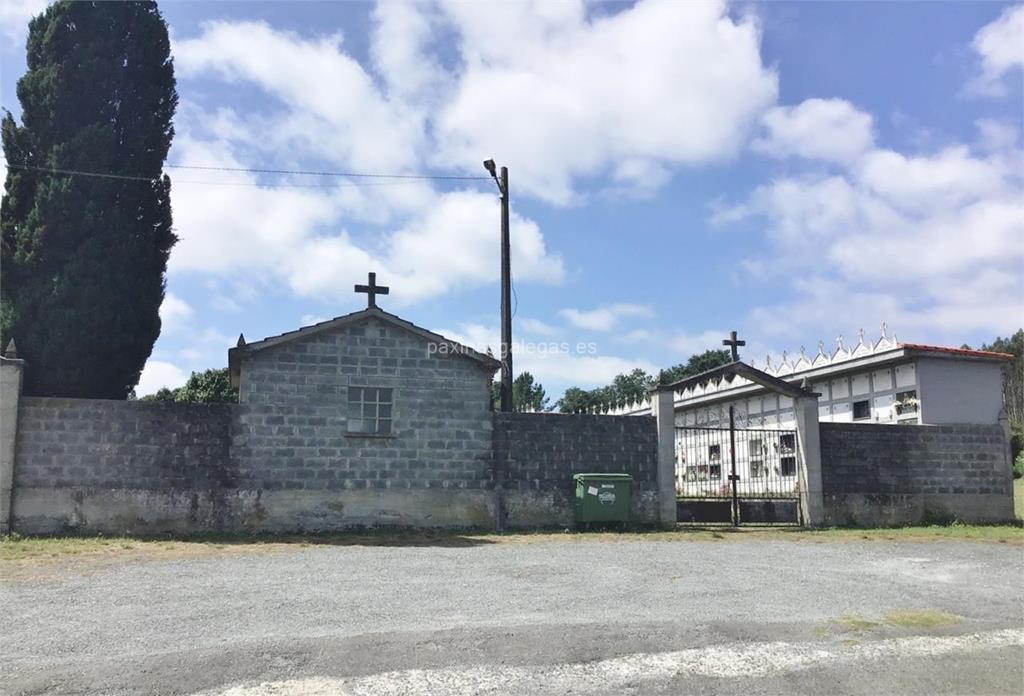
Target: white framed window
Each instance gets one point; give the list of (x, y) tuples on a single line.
[(369, 410)]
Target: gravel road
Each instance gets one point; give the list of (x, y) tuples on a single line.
[(572, 616)]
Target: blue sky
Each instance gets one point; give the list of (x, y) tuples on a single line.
[(795, 171)]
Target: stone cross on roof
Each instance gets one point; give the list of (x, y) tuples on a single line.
[(372, 290), (733, 344)]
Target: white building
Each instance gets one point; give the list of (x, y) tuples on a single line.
[(882, 382)]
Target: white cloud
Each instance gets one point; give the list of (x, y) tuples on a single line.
[(693, 344), (557, 95), (194, 356), (454, 243), (535, 326), (174, 312), (350, 120), (949, 178), (987, 303), (997, 136), (206, 348), (401, 45), (421, 241), (157, 374), (827, 129), (604, 318), (1000, 49), (638, 336), (15, 16), (933, 243), (569, 75), (556, 364)]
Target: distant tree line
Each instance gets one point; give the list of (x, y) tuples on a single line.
[(632, 386), (526, 395), (207, 387)]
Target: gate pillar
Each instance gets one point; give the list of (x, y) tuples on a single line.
[(10, 393), (664, 414), (808, 436)]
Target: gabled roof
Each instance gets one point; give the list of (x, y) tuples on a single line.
[(740, 369), (235, 355)]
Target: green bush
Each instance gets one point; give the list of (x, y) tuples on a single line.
[(1018, 466), (1016, 440)]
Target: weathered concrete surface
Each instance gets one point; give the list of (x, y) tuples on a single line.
[(638, 617), (892, 475), (283, 459), (540, 452), (11, 373), (901, 509), (664, 418), (130, 511), (553, 508), (808, 436)]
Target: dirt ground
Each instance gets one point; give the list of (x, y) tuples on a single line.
[(897, 612)]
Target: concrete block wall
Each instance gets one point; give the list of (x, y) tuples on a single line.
[(291, 439), (536, 455), (91, 464), (892, 475)]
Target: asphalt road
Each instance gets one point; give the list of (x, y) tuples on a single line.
[(548, 617)]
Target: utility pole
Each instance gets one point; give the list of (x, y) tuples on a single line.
[(506, 289)]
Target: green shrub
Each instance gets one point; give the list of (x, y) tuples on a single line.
[(1018, 466), (1016, 440)]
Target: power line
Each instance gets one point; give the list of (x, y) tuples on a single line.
[(74, 172), (389, 179), (351, 175)]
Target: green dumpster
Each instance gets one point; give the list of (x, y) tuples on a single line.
[(602, 497)]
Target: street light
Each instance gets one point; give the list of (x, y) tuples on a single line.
[(506, 285)]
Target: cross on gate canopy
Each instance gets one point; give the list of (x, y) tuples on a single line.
[(372, 290), (733, 343)]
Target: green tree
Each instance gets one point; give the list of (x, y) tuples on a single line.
[(701, 362), (84, 257), (630, 386), (575, 400), (161, 394), (208, 387), (525, 394), (633, 386), (1013, 386)]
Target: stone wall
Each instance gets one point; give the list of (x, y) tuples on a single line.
[(881, 475), (537, 454)]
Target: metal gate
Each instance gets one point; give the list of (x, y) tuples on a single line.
[(737, 476)]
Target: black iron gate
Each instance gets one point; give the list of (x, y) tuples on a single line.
[(737, 476)]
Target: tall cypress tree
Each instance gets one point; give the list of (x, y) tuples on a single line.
[(84, 257)]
